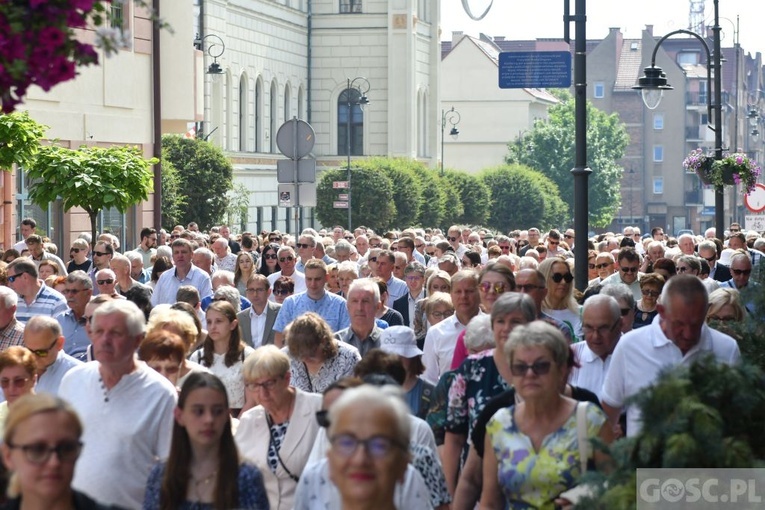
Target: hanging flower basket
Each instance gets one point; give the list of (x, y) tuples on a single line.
[(732, 169)]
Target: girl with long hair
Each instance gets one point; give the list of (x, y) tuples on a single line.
[(223, 351), (204, 469), (245, 266), (269, 260)]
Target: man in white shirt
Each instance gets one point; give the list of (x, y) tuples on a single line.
[(184, 273), (441, 339), (287, 261), (43, 338), (257, 322), (628, 271), (127, 409), (678, 336), (601, 324)]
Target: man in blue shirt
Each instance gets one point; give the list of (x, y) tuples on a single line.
[(331, 307)]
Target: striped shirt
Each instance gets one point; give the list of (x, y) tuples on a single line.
[(47, 302)]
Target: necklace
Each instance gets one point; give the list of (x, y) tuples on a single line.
[(201, 484)]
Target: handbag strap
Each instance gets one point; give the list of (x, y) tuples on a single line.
[(581, 432)]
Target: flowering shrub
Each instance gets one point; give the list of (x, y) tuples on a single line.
[(39, 46), (734, 168)]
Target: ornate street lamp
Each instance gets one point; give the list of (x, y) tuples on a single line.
[(355, 96), (451, 116), (654, 83), (215, 49)]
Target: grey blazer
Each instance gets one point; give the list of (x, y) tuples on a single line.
[(272, 310)]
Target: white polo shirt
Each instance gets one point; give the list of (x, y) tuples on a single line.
[(438, 351), (642, 353), (592, 369)]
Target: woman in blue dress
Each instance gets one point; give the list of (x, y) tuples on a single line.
[(204, 470)]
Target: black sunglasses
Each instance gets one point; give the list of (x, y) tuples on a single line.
[(558, 277)]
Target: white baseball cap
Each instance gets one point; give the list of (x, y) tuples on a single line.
[(400, 340)]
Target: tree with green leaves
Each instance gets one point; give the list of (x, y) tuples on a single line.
[(206, 177), (474, 197), (553, 153), (173, 200), (371, 198), (433, 197), (93, 178), (20, 137), (406, 191), (521, 196)]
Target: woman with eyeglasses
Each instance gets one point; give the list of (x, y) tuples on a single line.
[(481, 376), (269, 260), (436, 280), (592, 270), (41, 444), (284, 287), (724, 307), (223, 351), (278, 434), (432, 310), (532, 451), (651, 285), (18, 376), (560, 302), (376, 422), (78, 254), (204, 469)]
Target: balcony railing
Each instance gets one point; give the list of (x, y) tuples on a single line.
[(696, 98)]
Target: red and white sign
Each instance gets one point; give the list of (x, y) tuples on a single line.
[(340, 184), (340, 205), (755, 201)]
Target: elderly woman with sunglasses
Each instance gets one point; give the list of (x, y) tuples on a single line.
[(559, 302), (18, 376), (651, 285), (278, 434), (481, 377), (532, 452)]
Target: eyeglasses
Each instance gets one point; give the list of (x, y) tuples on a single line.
[(267, 386), (504, 248), (87, 318), (497, 287), (42, 353), (39, 453), (322, 418), (418, 246), (304, 245), (442, 315), (652, 293), (452, 239), (255, 291), (538, 368), (683, 269), (100, 253), (375, 245), (721, 319), (16, 382), (739, 272), (527, 288), (735, 230), (349, 238), (282, 292), (628, 269), (710, 260), (600, 330), (75, 250), (12, 278), (289, 258), (73, 291), (108, 281), (174, 236), (603, 265), (554, 243), (414, 277), (378, 447), (566, 236), (558, 277), (270, 256), (625, 311), (372, 259), (590, 266)]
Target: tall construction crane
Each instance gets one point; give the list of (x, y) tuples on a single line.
[(696, 17)]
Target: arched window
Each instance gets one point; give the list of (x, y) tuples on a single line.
[(350, 123), (301, 109), (243, 113), (287, 105), (274, 109), (258, 105)]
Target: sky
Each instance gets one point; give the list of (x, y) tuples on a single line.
[(532, 19)]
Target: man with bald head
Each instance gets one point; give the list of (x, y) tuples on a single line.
[(686, 244), (224, 259), (44, 338), (601, 321)]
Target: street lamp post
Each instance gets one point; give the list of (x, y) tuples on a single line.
[(654, 82), (453, 117), (360, 86)]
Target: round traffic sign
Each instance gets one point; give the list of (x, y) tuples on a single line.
[(295, 138), (755, 201)]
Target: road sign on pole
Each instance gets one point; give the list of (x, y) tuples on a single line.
[(340, 205), (306, 170), (340, 185), (288, 195)]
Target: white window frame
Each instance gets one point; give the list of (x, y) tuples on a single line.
[(599, 90), (658, 153), (658, 185)]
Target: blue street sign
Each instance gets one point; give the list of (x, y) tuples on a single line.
[(534, 69)]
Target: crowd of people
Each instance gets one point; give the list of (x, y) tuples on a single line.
[(409, 369)]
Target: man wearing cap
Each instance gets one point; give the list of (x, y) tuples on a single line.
[(449, 263), (400, 340)]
